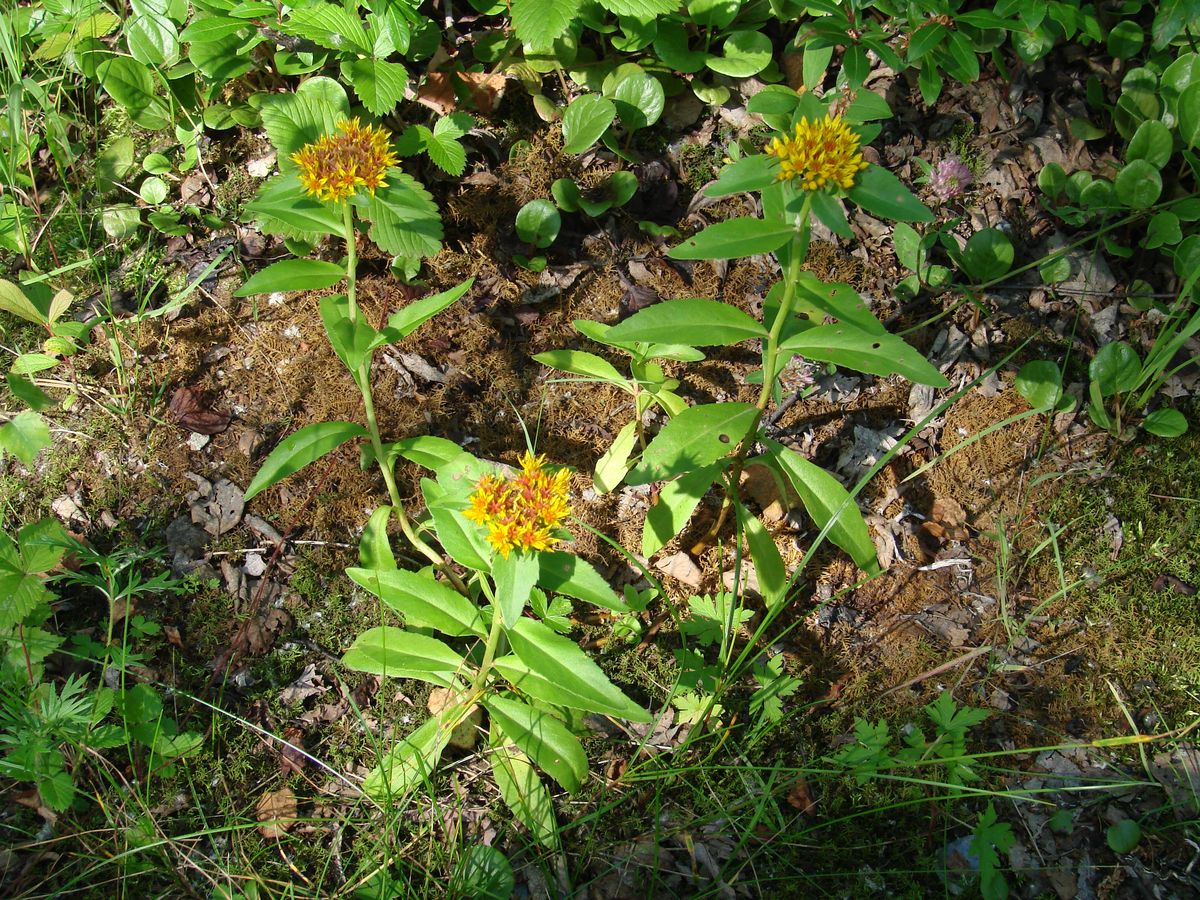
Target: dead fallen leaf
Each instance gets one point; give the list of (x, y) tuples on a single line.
[(291, 754), (947, 521), (441, 89), (276, 811), (191, 409), (680, 567), (800, 797)]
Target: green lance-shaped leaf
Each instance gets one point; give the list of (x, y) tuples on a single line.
[(293, 275), (612, 466), (750, 173), (374, 549), (423, 601), (676, 502), (734, 238), (696, 437), (566, 573), (522, 789), (881, 193), (876, 353), (284, 207), (824, 498), (462, 539), (16, 301), (297, 450), (397, 653), (768, 564), (586, 365), (405, 321), (515, 576), (543, 738), (352, 339), (552, 668), (412, 761), (694, 322)]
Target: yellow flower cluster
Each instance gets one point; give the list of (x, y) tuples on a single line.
[(522, 512), (820, 154), (334, 167)]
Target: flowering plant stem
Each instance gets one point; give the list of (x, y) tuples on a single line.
[(362, 378), (493, 639), (795, 262)]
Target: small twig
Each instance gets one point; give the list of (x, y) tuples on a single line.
[(938, 670)]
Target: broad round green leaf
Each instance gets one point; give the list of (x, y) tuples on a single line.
[(1152, 142), (988, 255), (1168, 423), (153, 190), (744, 53), (1124, 836), (1040, 383), (585, 120), (694, 322), (538, 222), (1164, 230), (696, 437), (1115, 368), (1138, 185), (297, 450), (1052, 179), (1188, 115), (639, 100), (734, 238), (1126, 39)]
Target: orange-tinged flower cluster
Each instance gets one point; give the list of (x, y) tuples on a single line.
[(822, 153), (521, 512), (337, 165)]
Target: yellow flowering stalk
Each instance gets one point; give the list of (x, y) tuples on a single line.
[(337, 165), (521, 512), (821, 153)]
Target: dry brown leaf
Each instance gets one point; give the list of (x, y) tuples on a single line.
[(800, 797), (439, 92), (291, 755), (191, 409), (680, 567), (276, 811)]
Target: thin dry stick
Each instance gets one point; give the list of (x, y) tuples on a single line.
[(938, 670)]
